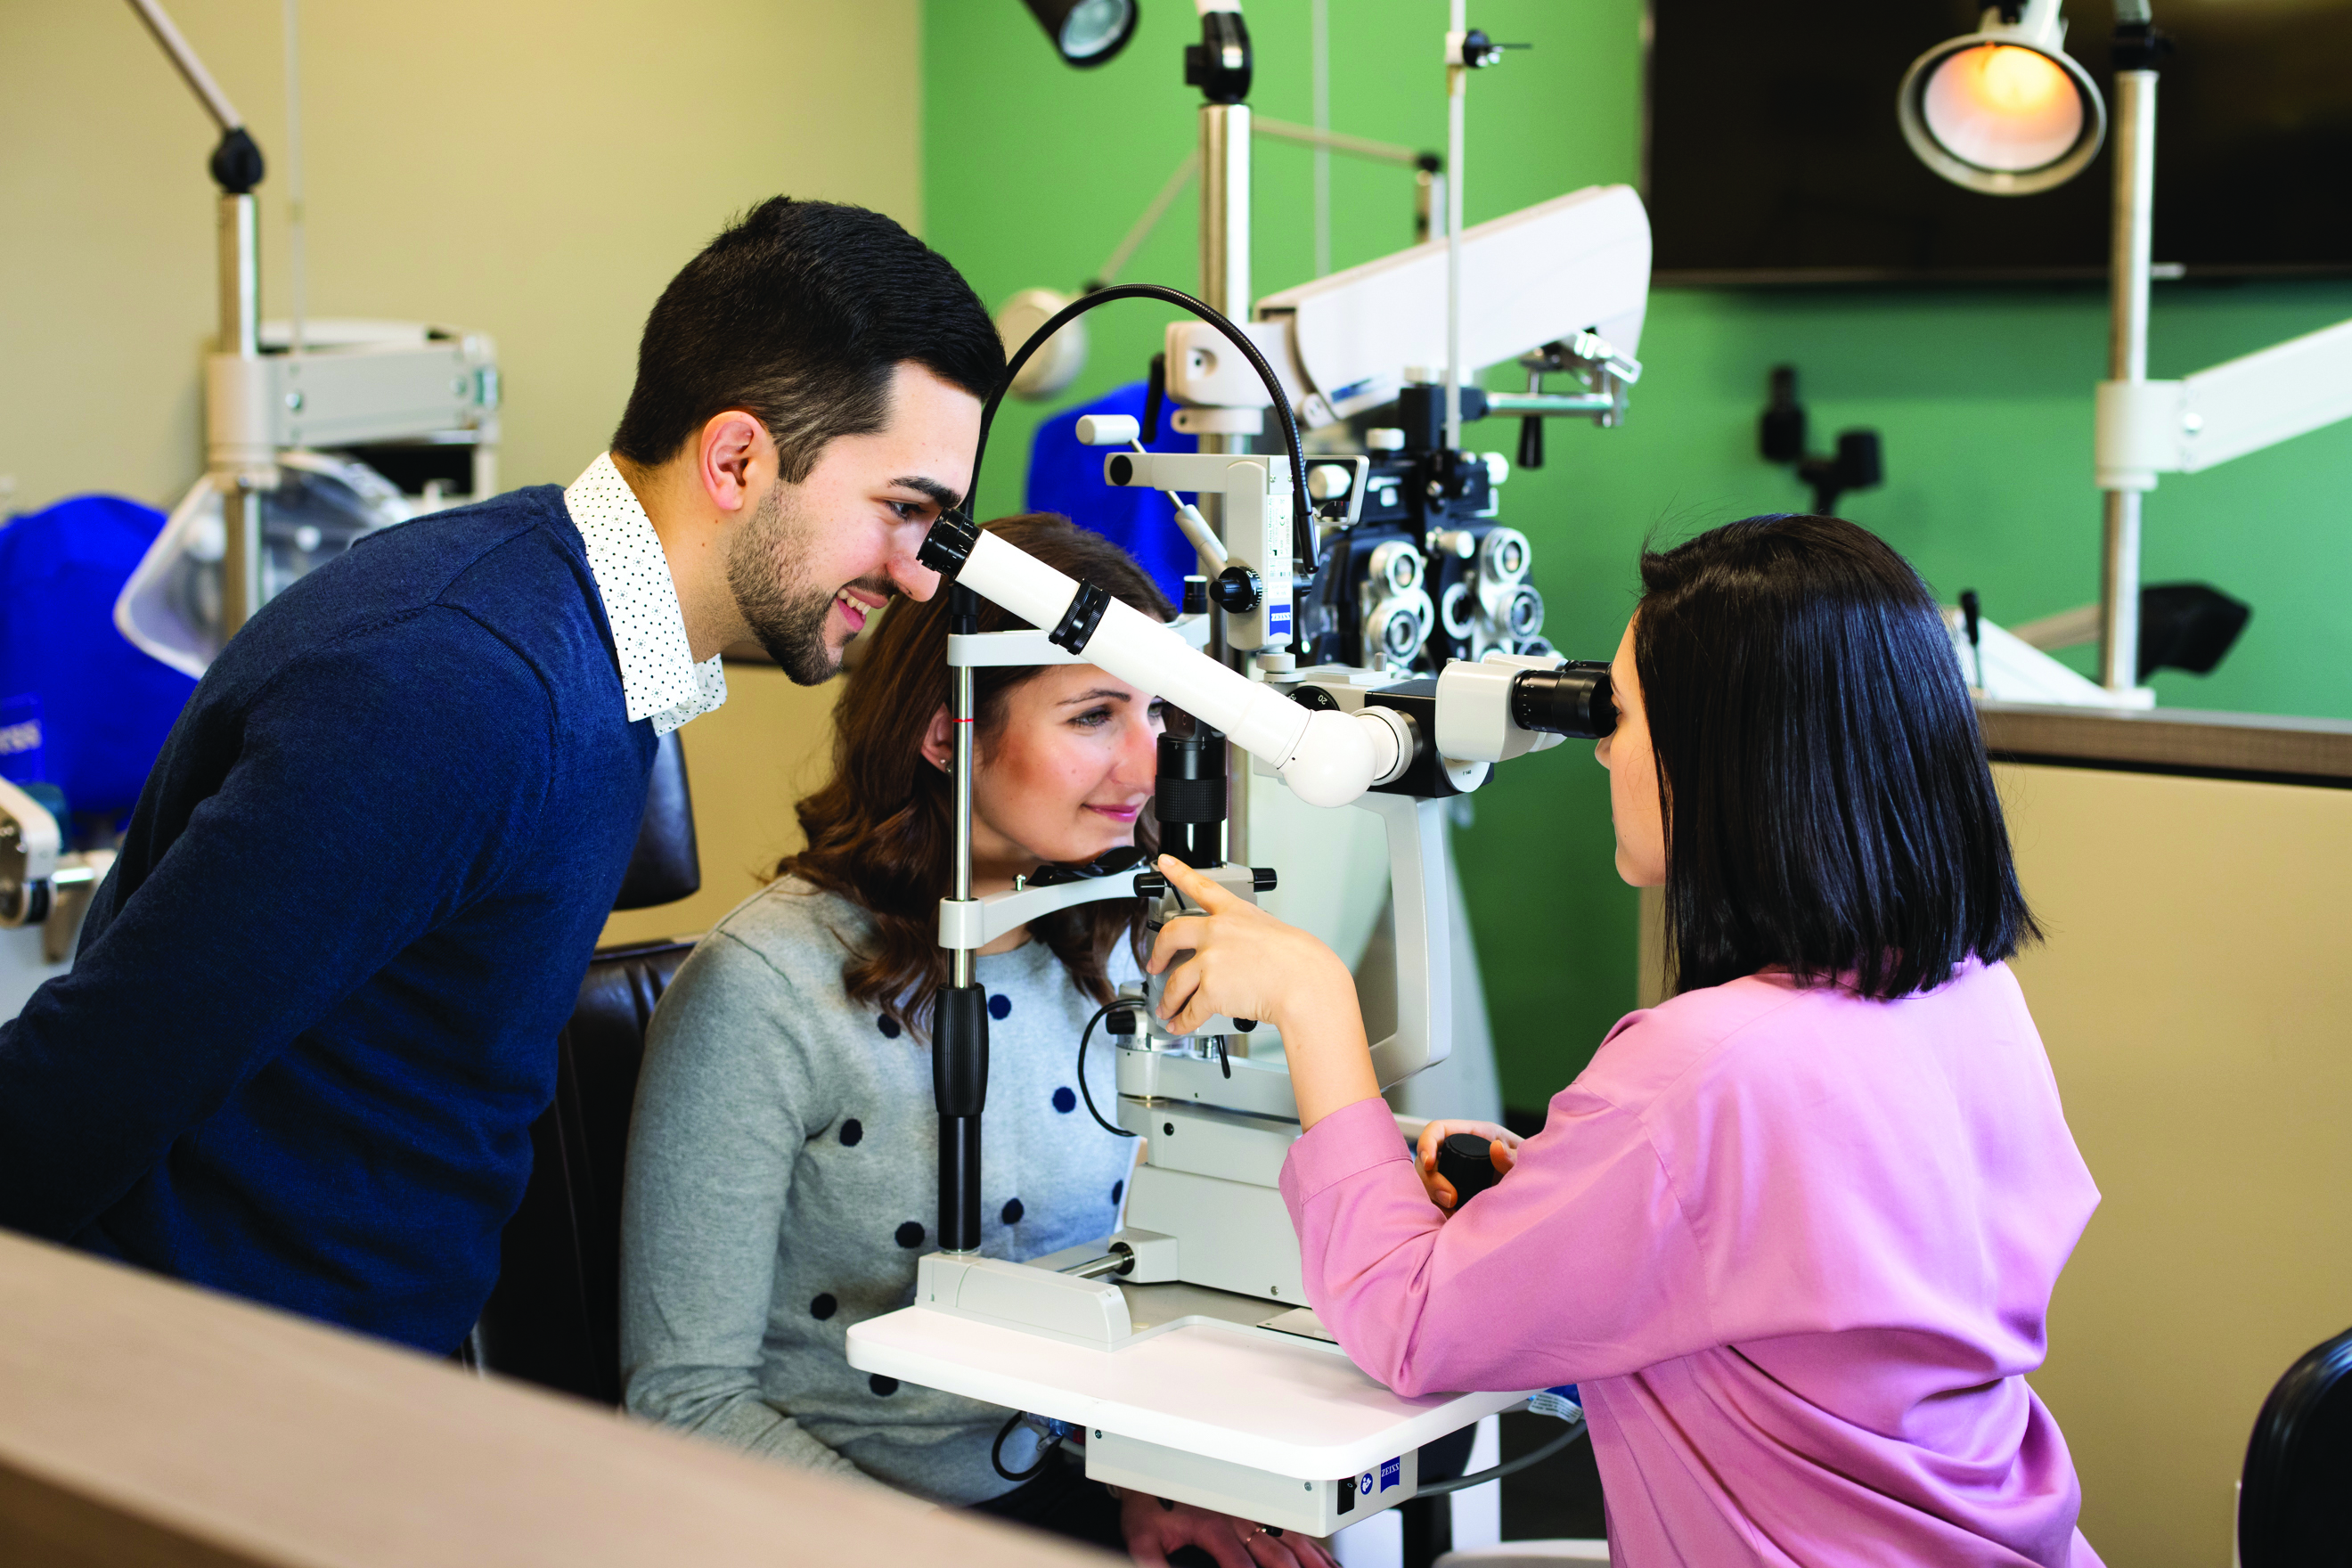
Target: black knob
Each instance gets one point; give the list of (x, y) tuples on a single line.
[(1196, 595), (1262, 878), (1465, 1160), (1237, 591)]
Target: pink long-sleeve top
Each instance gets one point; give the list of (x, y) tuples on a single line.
[(1795, 1248)]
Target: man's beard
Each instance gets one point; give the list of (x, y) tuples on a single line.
[(767, 570)]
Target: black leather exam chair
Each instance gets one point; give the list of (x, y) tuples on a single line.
[(554, 1317), (2294, 1500)]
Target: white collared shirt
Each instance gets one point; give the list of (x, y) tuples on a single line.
[(659, 679)]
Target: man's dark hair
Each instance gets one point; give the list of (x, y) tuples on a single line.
[(798, 315), (1827, 802)]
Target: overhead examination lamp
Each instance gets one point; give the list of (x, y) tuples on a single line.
[(2004, 109), (1086, 32)]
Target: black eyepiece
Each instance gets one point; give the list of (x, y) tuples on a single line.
[(948, 544), (1574, 700)]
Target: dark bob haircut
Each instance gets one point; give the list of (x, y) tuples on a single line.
[(1827, 803), (798, 315)]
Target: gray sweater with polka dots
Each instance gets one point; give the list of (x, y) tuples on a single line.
[(782, 1179)]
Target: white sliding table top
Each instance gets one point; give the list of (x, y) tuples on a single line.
[(1202, 1377)]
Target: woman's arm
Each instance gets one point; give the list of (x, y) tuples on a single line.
[(1578, 1263), (719, 1122)]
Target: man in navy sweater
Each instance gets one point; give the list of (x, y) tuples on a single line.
[(314, 1010)]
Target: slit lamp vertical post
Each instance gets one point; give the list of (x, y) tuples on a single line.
[(960, 1016), (1221, 67)]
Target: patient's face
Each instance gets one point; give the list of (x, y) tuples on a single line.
[(1067, 771)]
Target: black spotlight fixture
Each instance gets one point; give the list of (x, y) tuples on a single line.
[(1086, 32)]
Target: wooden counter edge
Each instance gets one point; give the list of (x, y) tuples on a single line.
[(146, 1423), (2183, 741)]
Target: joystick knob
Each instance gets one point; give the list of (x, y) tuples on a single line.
[(1464, 1160)]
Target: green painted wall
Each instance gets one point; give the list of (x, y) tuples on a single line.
[(1033, 173)]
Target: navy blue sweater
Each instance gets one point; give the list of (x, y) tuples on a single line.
[(315, 1007)]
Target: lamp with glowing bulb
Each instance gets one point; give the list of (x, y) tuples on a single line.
[(2004, 109), (1983, 119)]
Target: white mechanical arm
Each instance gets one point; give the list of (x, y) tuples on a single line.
[(1327, 759), (2148, 428), (1341, 344)]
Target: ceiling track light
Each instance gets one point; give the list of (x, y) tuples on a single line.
[(1085, 33), (2004, 109)]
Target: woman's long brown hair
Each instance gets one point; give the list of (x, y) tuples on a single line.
[(881, 832)]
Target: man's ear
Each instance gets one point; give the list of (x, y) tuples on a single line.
[(938, 739), (735, 459)]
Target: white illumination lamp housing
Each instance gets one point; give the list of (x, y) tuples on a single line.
[(2004, 109), (1053, 367)]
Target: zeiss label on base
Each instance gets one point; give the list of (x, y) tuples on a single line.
[(1392, 1472)]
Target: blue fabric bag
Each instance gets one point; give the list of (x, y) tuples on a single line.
[(84, 710), (1066, 477)]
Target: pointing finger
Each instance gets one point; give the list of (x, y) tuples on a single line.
[(1210, 894)]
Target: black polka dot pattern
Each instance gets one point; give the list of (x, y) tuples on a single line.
[(889, 1025), (824, 1307), (1118, 1191), (1014, 1210), (852, 1131), (1000, 1007), (659, 679), (910, 1235), (1065, 1101), (884, 1387)]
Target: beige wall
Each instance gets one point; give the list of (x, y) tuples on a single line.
[(536, 171), (2196, 1001)]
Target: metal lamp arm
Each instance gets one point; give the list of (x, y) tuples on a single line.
[(236, 163)]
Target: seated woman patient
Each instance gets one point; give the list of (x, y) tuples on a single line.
[(782, 1168), (1793, 1232)]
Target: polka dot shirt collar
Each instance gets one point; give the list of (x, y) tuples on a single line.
[(659, 679)]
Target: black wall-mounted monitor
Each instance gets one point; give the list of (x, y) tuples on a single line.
[(1773, 155)]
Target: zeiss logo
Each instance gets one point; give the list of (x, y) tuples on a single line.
[(1277, 620), (24, 737), (1391, 1473)]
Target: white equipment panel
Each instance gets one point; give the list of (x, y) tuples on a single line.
[(1201, 1385)]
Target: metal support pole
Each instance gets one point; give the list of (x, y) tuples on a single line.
[(240, 335), (1225, 286), (2131, 242), (1226, 208), (1456, 96), (959, 1016)]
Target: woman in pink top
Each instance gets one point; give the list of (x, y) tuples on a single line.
[(1793, 1232)]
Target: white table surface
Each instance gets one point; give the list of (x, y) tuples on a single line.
[(1270, 1400)]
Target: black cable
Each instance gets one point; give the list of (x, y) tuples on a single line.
[(1510, 1468), (1044, 1450), (1087, 1034), (1302, 527)]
